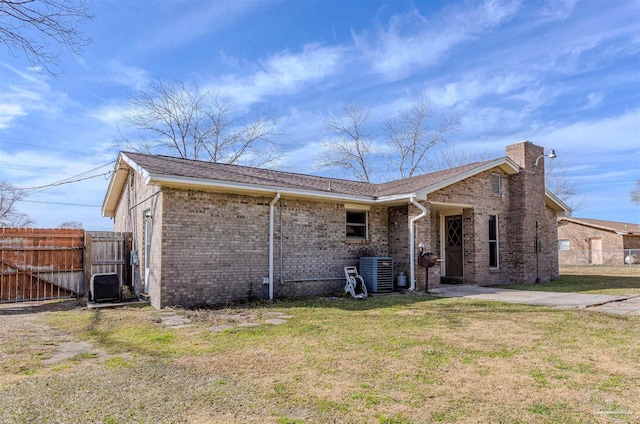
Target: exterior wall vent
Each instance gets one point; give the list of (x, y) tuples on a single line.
[(377, 273)]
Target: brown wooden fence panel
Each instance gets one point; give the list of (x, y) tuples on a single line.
[(38, 264), (107, 251)]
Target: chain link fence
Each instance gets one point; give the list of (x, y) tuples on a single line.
[(628, 258)]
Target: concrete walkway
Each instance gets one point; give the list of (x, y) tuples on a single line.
[(623, 305)]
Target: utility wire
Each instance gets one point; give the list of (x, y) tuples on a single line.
[(60, 203), (44, 147), (59, 183), (32, 170), (73, 179)]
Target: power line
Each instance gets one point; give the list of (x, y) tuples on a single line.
[(33, 170), (44, 147), (59, 203), (59, 183), (73, 179)]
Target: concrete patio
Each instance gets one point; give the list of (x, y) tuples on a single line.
[(622, 305)]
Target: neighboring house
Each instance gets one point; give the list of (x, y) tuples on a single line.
[(596, 242), (208, 233)]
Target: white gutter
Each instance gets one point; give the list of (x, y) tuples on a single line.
[(271, 212), (169, 180), (412, 253)]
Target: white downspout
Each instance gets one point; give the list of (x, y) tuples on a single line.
[(412, 253), (271, 212)]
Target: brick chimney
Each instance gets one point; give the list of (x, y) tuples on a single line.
[(527, 207)]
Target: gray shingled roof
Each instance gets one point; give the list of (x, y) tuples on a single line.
[(170, 166)]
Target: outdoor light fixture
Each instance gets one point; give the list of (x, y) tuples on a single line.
[(550, 155), (421, 247)]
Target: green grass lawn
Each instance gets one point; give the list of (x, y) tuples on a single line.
[(391, 359), (593, 280)]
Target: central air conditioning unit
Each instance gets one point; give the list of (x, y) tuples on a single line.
[(377, 273)]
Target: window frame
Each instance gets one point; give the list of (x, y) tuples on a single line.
[(497, 184), (494, 244), (562, 243), (364, 225)]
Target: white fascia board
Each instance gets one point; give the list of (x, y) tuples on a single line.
[(397, 197), (504, 163), (116, 183), (168, 180), (554, 200), (140, 170)]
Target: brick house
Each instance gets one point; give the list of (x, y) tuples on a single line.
[(585, 241), (208, 233)]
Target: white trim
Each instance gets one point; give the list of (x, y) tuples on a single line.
[(366, 224), (165, 180), (552, 200), (357, 207)]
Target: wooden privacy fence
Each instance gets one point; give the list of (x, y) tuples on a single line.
[(41, 264), (106, 251)]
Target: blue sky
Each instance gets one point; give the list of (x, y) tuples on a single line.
[(563, 74)]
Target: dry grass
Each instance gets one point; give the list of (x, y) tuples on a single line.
[(393, 359)]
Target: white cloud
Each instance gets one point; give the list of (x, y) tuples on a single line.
[(592, 138), (472, 87), (25, 92), (283, 73), (9, 112), (411, 41), (198, 21), (594, 100), (129, 76), (557, 9), (110, 114)]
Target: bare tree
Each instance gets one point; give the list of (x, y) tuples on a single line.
[(197, 124), (408, 140), (415, 132), (9, 215), (352, 148), (450, 156), (32, 26), (635, 193), (558, 183)]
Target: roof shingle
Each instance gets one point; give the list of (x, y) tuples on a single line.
[(171, 166), (612, 225)]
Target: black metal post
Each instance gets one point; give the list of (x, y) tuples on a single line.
[(537, 256)]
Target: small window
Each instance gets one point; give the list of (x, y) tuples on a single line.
[(564, 245), (493, 241), (356, 225), (495, 183)]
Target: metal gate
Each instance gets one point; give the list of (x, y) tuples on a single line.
[(40, 264)]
